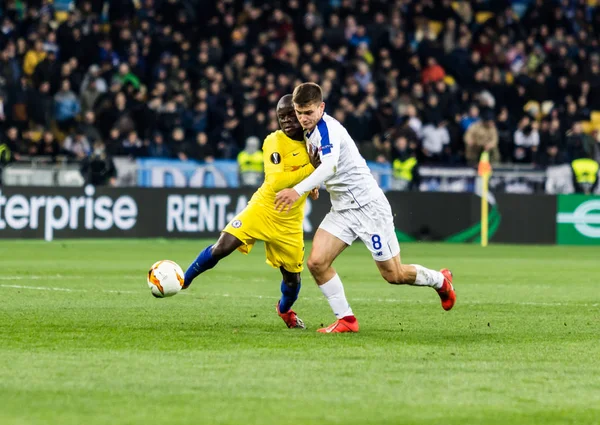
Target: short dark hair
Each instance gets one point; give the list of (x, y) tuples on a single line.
[(307, 93)]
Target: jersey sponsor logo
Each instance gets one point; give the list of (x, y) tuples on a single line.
[(325, 149), (275, 158), (236, 224), (296, 154)]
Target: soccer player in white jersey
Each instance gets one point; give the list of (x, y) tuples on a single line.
[(359, 210)]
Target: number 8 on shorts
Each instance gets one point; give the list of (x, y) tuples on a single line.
[(376, 241)]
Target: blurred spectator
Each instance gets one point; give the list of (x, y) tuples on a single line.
[(131, 145), (77, 145), (31, 140), (382, 152), (250, 162), (435, 138), (220, 73), (33, 57), (471, 118), (197, 120), (202, 150), (50, 44), (89, 95), (579, 144), (120, 116), (158, 148), (113, 142), (505, 136), (405, 165), (93, 74), (179, 145), (527, 140), (48, 70), (551, 150), (383, 119), (482, 136), (10, 146), (49, 145), (41, 106), (363, 75), (226, 145), (414, 122), (125, 76), (19, 98), (10, 71), (98, 168), (360, 37), (88, 127), (585, 175), (433, 111), (66, 107), (433, 72)]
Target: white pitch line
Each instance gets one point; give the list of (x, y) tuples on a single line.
[(48, 288), (270, 297), (404, 301), (34, 277), (58, 276), (41, 288)]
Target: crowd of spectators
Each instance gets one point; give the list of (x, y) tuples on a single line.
[(438, 80)]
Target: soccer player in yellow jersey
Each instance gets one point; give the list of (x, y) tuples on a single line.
[(286, 164)]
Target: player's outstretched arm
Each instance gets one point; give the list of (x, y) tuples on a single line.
[(326, 170), (275, 176), (329, 154), (284, 179)]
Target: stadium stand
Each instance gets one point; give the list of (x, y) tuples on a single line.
[(435, 80)]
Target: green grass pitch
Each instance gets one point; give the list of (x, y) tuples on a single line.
[(82, 341)]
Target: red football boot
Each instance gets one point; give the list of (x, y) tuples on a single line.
[(291, 319), (446, 292), (345, 324)]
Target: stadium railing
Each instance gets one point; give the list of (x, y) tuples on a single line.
[(506, 178)]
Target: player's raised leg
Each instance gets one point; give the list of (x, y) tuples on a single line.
[(290, 288), (326, 248), (397, 273), (375, 226), (210, 256)]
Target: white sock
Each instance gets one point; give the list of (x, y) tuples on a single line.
[(334, 292), (428, 277)]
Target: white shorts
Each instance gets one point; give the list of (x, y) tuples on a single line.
[(372, 223)]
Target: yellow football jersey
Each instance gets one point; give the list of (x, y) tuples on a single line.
[(286, 164)]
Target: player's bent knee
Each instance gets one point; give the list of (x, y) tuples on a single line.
[(316, 265), (219, 250), (290, 279), (225, 245), (292, 283)]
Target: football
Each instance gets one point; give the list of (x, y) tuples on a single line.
[(165, 279)]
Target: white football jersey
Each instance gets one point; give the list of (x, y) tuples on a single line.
[(344, 171)]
